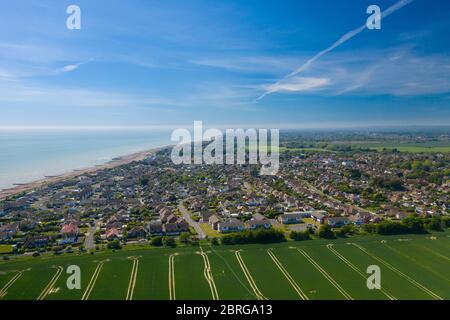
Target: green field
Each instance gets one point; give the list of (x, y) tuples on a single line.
[(412, 267)]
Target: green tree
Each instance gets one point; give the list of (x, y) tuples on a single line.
[(185, 237), (168, 241), (156, 241), (326, 232)]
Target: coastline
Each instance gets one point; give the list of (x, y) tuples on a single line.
[(113, 163)]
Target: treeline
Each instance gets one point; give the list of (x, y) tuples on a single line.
[(256, 236), (409, 225)]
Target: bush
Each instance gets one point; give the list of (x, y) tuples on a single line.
[(390, 228), (115, 244), (345, 231), (185, 237), (435, 224), (214, 241), (156, 241), (257, 236), (300, 235), (326, 232), (168, 241), (36, 254)]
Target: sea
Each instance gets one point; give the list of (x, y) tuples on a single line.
[(29, 155)]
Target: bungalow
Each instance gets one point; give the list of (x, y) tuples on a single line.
[(172, 229), (155, 228), (289, 218), (230, 226), (204, 216), (69, 230), (257, 224), (112, 234), (318, 216), (137, 232), (214, 221), (8, 231), (336, 222), (356, 219)]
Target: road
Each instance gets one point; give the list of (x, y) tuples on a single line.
[(89, 241), (191, 222)]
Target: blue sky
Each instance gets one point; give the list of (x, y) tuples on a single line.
[(147, 63)]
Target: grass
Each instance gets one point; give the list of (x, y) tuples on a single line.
[(379, 146), (414, 269), (210, 232), (5, 248)]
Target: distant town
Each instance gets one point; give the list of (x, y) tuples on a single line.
[(328, 185)]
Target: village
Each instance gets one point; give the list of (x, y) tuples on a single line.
[(144, 201)]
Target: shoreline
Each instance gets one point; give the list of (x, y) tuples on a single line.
[(113, 163)]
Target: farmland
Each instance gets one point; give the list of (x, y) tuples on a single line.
[(412, 267)]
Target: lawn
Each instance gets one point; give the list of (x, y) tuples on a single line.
[(210, 232), (412, 267), (5, 248)]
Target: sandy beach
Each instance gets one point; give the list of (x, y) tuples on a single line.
[(117, 161)]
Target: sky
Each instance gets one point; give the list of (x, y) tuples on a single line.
[(227, 63)]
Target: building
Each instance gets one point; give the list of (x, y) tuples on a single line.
[(290, 218), (155, 228), (138, 232), (214, 221), (336, 222), (230, 226), (259, 224), (318, 216)]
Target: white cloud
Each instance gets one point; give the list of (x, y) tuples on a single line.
[(398, 5), (71, 67), (299, 84)]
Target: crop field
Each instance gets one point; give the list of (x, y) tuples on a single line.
[(412, 267)]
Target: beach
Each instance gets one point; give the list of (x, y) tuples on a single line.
[(118, 161)]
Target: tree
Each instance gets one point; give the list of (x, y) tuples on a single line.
[(300, 235), (414, 223), (435, 224), (156, 241), (185, 237), (115, 244), (168, 241), (326, 232)]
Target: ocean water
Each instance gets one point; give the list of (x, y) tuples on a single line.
[(26, 156)]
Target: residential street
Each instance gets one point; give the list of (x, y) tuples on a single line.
[(191, 222), (89, 241)]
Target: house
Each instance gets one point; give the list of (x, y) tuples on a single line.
[(258, 216), (204, 216), (171, 218), (138, 232), (230, 226), (289, 218), (112, 234), (401, 215), (336, 222), (318, 216), (356, 219), (36, 242), (8, 231), (257, 224), (214, 221), (172, 229), (155, 228), (69, 230)]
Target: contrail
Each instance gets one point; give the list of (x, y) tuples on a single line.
[(336, 44)]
